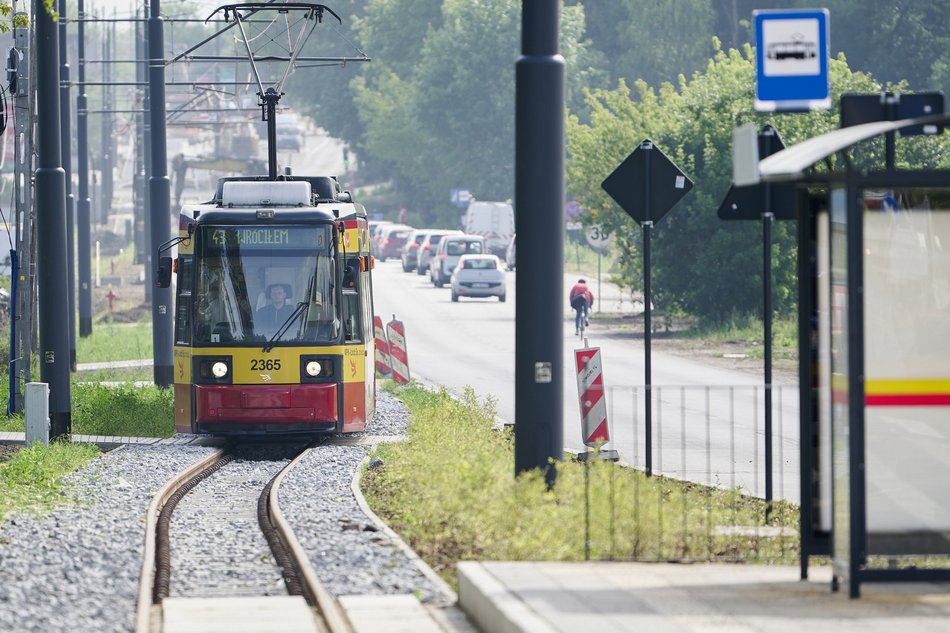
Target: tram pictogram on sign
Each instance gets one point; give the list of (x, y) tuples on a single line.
[(397, 350)]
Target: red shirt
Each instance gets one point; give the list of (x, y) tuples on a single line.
[(579, 289)]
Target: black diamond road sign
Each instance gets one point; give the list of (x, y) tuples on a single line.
[(748, 202), (647, 165)]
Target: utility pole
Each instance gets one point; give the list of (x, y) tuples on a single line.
[(84, 230), (66, 142), (146, 160), (23, 315), (539, 203), (108, 125), (51, 229), (159, 199), (139, 202)]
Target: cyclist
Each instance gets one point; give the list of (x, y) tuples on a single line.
[(581, 301)]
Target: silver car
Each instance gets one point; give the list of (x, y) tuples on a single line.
[(428, 248), (451, 248), (478, 276)]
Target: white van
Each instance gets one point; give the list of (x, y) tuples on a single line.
[(494, 221), (451, 248)]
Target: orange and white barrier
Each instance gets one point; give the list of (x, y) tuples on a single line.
[(590, 392), (397, 350), (383, 362)]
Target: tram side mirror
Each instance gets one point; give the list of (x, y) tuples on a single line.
[(163, 278)]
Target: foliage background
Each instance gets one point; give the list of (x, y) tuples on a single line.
[(434, 111)]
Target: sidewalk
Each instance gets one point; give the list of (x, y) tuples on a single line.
[(688, 598)]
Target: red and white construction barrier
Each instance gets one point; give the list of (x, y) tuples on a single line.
[(397, 350), (383, 363), (590, 392)]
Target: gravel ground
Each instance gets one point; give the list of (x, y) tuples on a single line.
[(347, 551), (77, 568)]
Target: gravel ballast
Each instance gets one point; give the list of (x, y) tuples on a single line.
[(77, 568)]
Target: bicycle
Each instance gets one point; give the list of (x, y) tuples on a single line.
[(581, 322)]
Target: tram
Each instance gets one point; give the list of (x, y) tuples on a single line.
[(273, 310)]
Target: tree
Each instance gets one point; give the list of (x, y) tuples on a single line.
[(702, 265), (444, 118)]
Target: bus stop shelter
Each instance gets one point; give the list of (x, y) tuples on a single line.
[(874, 321)]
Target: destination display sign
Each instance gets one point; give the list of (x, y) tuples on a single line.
[(254, 237)]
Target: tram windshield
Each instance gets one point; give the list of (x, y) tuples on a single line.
[(254, 281)]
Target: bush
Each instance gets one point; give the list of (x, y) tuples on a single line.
[(450, 491)]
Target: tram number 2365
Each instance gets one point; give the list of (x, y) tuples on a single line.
[(260, 364)]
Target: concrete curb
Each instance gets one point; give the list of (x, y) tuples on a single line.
[(492, 606), (450, 596)]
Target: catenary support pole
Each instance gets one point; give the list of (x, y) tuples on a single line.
[(159, 198), (83, 228), (66, 144), (539, 203), (51, 229)]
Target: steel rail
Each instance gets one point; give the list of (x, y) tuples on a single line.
[(315, 592), (143, 609)]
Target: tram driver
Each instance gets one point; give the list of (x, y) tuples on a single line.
[(269, 318)]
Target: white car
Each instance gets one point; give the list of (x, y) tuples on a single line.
[(451, 248), (478, 276)]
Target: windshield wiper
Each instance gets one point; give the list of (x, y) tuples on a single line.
[(283, 328)]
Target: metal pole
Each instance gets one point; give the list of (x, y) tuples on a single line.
[(269, 100), (24, 292), (767, 219), (539, 200), (65, 143), (647, 318), (51, 226), (104, 199), (82, 210), (600, 297), (159, 198), (147, 164)]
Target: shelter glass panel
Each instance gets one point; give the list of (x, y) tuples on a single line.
[(907, 366)]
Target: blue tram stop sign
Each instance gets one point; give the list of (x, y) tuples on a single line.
[(791, 61)]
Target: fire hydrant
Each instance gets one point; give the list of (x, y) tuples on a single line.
[(111, 297)]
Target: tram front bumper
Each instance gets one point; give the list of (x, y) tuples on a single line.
[(264, 408)]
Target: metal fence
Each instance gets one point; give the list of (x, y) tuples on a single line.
[(706, 498)]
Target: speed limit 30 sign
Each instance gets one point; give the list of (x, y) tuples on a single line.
[(598, 237)]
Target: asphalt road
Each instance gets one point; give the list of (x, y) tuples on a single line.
[(708, 422)]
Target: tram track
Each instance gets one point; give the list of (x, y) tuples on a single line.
[(289, 561)]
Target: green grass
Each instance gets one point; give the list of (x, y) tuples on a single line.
[(450, 491), (749, 330), (116, 341), (31, 480), (122, 410)]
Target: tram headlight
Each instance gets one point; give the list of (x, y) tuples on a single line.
[(213, 370), (318, 368)]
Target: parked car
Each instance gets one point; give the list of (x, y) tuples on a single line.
[(478, 276), (375, 228), (411, 249), (451, 248), (428, 248), (510, 254), (392, 239)]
